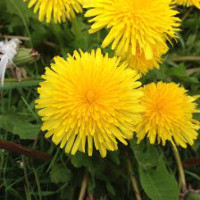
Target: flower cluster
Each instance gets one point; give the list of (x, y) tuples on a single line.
[(90, 100)]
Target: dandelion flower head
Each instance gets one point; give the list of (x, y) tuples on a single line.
[(168, 115), (59, 10), (188, 2), (89, 99), (143, 65), (133, 24)]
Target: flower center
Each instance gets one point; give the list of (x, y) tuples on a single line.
[(90, 96), (162, 107), (159, 107)]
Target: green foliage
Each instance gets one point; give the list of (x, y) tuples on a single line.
[(19, 125), (60, 174), (193, 196), (23, 178), (12, 84), (146, 155), (158, 183), (155, 179)]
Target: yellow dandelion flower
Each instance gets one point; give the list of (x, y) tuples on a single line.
[(142, 65), (89, 98), (133, 24), (188, 3), (168, 115), (60, 10)]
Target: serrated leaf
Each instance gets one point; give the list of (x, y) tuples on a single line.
[(147, 156), (80, 160), (110, 188), (19, 125), (114, 156), (158, 183), (60, 174), (20, 9), (155, 179)]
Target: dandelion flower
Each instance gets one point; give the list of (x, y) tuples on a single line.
[(89, 99), (142, 65), (60, 10), (133, 24), (188, 2), (168, 115)]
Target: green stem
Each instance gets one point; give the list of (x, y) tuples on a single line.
[(185, 58), (83, 187), (180, 170), (10, 146), (133, 179)]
